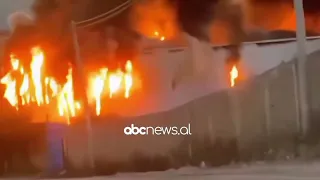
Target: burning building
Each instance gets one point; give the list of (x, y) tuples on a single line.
[(33, 57), (38, 75), (40, 67)]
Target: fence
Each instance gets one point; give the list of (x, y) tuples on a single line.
[(256, 120)]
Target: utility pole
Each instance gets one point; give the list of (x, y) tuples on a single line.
[(83, 90), (301, 67)]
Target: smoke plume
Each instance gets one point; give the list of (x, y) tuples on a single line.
[(19, 18), (202, 21), (194, 17), (149, 16)]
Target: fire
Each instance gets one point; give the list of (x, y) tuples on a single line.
[(112, 82), (162, 38), (98, 84), (10, 92), (34, 87), (233, 75), (158, 36), (36, 73), (128, 79), (115, 82), (67, 106)]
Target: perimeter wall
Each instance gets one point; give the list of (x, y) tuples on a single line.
[(256, 120)]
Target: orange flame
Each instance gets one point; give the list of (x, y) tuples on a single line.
[(37, 88), (98, 87), (158, 36), (36, 73), (233, 75), (128, 79)]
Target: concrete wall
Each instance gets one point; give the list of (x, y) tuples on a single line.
[(158, 65), (260, 114), (209, 117)]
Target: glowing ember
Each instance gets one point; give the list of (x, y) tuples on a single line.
[(34, 87), (233, 75), (158, 36)]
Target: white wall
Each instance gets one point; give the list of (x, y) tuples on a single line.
[(158, 68)]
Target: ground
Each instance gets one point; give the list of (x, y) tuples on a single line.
[(258, 171)]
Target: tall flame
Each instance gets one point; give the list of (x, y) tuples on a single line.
[(233, 75), (98, 87), (35, 87), (36, 73), (128, 79)]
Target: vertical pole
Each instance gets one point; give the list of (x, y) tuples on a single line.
[(82, 81), (301, 52), (296, 96), (267, 107), (235, 110)]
